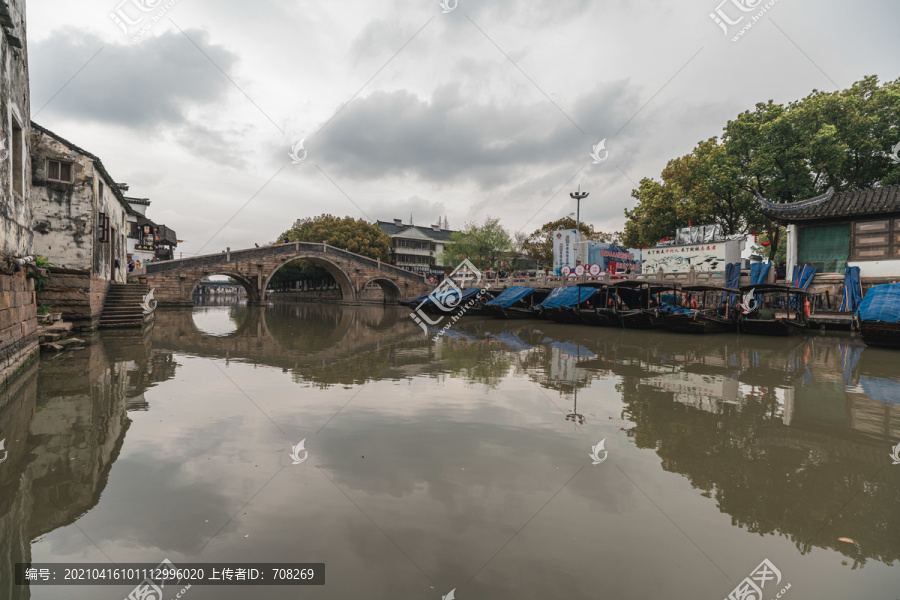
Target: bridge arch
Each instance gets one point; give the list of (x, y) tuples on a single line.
[(389, 289), (348, 292), (252, 292)]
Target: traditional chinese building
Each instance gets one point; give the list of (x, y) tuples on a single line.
[(18, 320), (146, 240), (416, 248), (830, 232), (80, 225)]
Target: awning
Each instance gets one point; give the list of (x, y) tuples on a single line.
[(568, 297), (511, 296)]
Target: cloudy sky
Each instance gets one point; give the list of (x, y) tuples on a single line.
[(489, 109)]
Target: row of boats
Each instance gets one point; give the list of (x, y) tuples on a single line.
[(764, 309)]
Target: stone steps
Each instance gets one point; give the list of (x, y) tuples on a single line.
[(121, 308)]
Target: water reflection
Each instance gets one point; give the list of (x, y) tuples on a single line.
[(463, 438)]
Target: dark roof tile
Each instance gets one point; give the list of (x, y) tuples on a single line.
[(852, 203)]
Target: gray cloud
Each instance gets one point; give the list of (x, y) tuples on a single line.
[(452, 136), (142, 85)]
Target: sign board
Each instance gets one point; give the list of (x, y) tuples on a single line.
[(595, 269), (564, 249), (705, 258), (611, 257)]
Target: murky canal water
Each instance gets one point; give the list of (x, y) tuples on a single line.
[(465, 463)]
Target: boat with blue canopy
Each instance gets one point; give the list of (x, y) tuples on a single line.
[(562, 307), (516, 302), (879, 316)]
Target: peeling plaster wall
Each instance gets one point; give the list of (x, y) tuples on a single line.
[(15, 107), (66, 214), (18, 312)]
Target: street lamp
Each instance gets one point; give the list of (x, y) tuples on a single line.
[(578, 196)]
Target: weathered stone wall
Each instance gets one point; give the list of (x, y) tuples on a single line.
[(15, 128), (18, 324), (18, 321), (78, 295), (66, 214)]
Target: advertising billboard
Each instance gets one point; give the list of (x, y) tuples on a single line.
[(612, 258), (705, 258)]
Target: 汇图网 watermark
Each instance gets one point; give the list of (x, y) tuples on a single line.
[(447, 297), (136, 17), (751, 588), (739, 8), (151, 588)]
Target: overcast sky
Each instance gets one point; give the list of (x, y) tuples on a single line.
[(491, 108)]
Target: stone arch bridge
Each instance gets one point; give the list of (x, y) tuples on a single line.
[(175, 280)]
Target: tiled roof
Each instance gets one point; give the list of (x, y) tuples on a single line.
[(853, 203), (391, 228)]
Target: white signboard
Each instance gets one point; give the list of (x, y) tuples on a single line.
[(705, 258), (565, 242)]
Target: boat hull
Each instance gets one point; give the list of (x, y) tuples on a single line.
[(687, 323), (880, 334), (776, 327), (562, 315), (597, 317), (643, 319)]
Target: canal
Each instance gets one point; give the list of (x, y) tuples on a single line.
[(503, 460)]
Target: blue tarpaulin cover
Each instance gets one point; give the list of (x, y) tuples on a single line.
[(568, 297), (448, 298), (882, 303), (510, 296), (852, 290), (759, 272), (732, 280), (803, 276)]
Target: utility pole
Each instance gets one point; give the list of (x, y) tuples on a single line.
[(578, 196)]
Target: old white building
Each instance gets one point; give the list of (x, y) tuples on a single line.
[(18, 321), (413, 247), (80, 225)]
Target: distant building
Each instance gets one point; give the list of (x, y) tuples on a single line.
[(18, 320), (146, 239), (858, 228), (416, 248), (80, 222)]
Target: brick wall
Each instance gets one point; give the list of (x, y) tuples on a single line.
[(79, 296), (18, 324)]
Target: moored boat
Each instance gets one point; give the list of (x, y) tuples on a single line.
[(516, 302), (771, 309), (705, 309), (562, 305), (879, 316)]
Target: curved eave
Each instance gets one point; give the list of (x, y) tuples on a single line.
[(789, 212)]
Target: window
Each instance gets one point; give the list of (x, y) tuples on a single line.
[(103, 227), (825, 247), (58, 170), (876, 240), (18, 147)]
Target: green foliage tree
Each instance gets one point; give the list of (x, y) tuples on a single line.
[(838, 139), (486, 246), (538, 246), (355, 235)]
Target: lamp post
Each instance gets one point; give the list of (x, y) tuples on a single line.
[(578, 196)]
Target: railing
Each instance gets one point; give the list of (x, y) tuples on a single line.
[(551, 281)]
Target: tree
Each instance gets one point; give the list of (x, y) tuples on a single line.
[(355, 235), (787, 153), (780, 256), (538, 246), (484, 245)]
